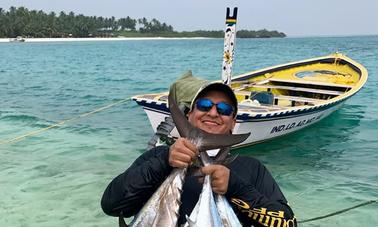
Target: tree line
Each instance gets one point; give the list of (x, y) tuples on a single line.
[(32, 23), (38, 24)]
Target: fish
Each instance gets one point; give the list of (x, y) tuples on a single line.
[(162, 209), (205, 212), (210, 211), (226, 213)]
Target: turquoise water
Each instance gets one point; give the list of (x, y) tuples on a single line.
[(56, 178)]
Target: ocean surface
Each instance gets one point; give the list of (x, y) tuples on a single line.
[(56, 177)]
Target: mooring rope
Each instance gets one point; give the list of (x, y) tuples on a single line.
[(338, 212), (33, 133)]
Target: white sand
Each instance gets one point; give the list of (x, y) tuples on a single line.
[(5, 40)]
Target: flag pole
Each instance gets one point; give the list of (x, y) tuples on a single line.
[(229, 44)]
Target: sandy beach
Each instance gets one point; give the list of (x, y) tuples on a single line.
[(30, 40)]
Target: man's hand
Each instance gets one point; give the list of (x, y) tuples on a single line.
[(182, 153), (219, 175)]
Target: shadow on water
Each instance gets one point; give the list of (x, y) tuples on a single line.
[(311, 146)]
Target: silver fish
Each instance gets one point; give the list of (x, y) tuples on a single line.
[(205, 213), (226, 213), (162, 208), (209, 211)]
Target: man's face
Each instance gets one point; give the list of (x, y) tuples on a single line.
[(211, 121)]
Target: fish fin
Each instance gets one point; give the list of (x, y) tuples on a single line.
[(229, 159), (206, 160), (182, 124), (222, 155), (121, 221), (190, 222), (212, 141)]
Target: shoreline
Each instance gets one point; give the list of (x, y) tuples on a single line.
[(32, 40)]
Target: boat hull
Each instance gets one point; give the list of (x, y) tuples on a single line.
[(261, 128), (303, 93)]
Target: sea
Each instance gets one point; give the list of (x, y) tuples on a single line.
[(59, 148)]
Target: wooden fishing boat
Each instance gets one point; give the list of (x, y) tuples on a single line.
[(281, 99), (18, 39)]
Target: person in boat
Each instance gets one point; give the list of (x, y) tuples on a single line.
[(247, 184)]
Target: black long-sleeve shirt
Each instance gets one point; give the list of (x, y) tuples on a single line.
[(254, 195)]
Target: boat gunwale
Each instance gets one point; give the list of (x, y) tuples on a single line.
[(245, 117), (361, 70)]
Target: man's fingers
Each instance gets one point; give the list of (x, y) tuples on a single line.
[(183, 145), (179, 164), (182, 157), (208, 170), (189, 145), (189, 148), (219, 177), (179, 160), (182, 153)]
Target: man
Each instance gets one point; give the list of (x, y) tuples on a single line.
[(246, 183)]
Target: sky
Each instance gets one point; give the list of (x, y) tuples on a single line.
[(293, 17)]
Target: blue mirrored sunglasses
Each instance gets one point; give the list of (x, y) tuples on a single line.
[(222, 108)]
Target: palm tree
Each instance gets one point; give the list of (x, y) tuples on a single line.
[(2, 23)]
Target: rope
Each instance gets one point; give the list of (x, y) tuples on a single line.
[(339, 212), (33, 133), (163, 131)]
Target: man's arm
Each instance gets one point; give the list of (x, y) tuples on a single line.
[(128, 192)]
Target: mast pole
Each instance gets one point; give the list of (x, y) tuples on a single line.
[(229, 44)]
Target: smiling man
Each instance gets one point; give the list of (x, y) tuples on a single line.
[(255, 197), (209, 102)]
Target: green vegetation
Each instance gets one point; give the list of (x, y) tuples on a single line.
[(259, 34), (32, 23)]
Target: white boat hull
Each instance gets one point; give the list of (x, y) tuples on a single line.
[(261, 129)]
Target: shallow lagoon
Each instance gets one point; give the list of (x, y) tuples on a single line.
[(57, 177)]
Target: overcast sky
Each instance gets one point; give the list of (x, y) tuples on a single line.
[(293, 17)]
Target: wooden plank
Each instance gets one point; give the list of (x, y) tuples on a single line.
[(248, 84), (261, 108), (310, 90), (320, 83), (298, 99), (245, 93)]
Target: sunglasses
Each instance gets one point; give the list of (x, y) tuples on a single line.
[(222, 108)]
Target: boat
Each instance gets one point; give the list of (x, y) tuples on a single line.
[(18, 39), (282, 99)]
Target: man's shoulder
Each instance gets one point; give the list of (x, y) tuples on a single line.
[(248, 162), (153, 152), (157, 151), (243, 158), (162, 148)]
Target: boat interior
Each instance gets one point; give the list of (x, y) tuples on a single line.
[(300, 86), (277, 90)]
